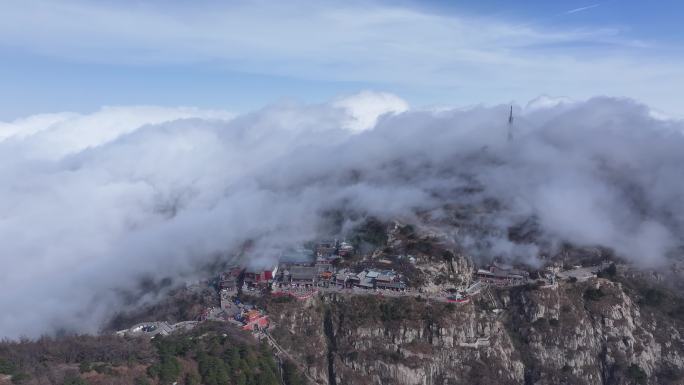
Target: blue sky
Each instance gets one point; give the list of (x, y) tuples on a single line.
[(77, 55)]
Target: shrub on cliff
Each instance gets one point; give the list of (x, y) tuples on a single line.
[(290, 374), (636, 374), (6, 367), (592, 294), (609, 273)]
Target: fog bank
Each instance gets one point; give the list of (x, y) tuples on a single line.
[(90, 204)]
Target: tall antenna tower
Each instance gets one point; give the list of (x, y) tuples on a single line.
[(510, 125)]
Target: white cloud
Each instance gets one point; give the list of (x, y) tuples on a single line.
[(22, 128), (485, 59), (81, 223), (366, 107), (51, 136), (582, 9), (546, 101)]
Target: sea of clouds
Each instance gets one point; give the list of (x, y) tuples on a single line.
[(91, 204)]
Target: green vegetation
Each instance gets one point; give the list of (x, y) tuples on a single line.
[(192, 379), (142, 381), (282, 299), (74, 380), (103, 368), (168, 369), (669, 375), (20, 378), (592, 294), (636, 374), (407, 231), (393, 311), (212, 354), (372, 232), (220, 360), (656, 297), (290, 374), (541, 323), (609, 273), (84, 367), (421, 246), (6, 367), (214, 370), (652, 297), (677, 313)]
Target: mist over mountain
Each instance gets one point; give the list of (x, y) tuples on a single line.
[(92, 204)]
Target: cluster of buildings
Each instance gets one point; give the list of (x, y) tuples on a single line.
[(582, 273), (322, 274), (245, 316), (154, 328), (501, 276), (303, 279), (230, 279), (370, 279), (252, 320), (247, 278), (330, 250), (318, 272), (306, 275), (302, 273)]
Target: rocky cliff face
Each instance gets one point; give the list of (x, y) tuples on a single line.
[(594, 333), (368, 340), (577, 333)]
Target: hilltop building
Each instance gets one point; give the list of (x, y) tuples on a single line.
[(500, 276)]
